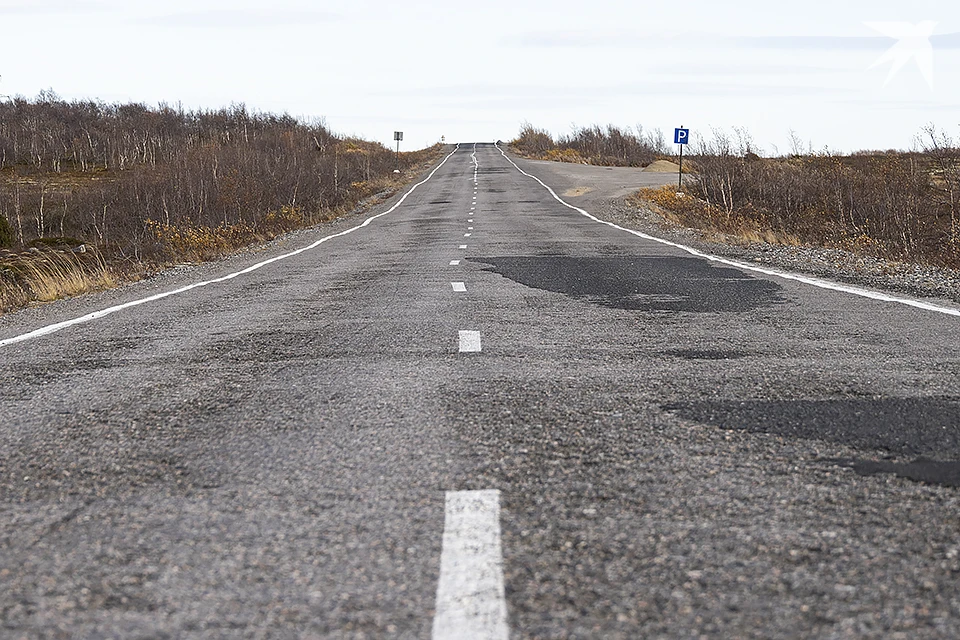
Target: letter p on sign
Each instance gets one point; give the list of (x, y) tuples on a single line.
[(681, 136)]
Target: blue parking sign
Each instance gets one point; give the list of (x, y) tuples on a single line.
[(681, 136)]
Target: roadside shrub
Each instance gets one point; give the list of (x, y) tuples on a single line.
[(147, 186), (6, 234), (894, 205), (611, 146)]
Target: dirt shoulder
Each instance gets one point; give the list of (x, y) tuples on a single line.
[(605, 192)]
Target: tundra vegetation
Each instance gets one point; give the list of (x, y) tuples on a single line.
[(895, 205), (94, 193), (610, 146)]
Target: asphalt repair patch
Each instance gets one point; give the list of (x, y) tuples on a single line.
[(640, 283), (945, 472), (923, 427)]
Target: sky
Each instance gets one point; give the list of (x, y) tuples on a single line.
[(476, 71)]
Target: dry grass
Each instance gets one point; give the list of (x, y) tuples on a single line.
[(48, 275), (684, 209)]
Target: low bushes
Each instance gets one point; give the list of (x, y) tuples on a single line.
[(895, 205), (611, 146), (147, 187)]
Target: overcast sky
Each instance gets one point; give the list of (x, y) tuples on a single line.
[(477, 70)]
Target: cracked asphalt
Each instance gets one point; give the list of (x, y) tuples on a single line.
[(682, 449)]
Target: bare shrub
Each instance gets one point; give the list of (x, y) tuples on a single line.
[(610, 146), (156, 185), (891, 204)]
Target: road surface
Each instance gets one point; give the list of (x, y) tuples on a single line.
[(482, 414)]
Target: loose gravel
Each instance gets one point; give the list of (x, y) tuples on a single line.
[(835, 264)]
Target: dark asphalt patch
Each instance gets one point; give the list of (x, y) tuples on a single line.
[(946, 473), (640, 283), (902, 426)]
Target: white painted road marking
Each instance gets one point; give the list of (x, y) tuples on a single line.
[(463, 246), (470, 595), (454, 263), (467, 235), (470, 342), (459, 287), (134, 303), (815, 282), (469, 228)]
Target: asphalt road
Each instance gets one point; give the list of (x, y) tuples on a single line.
[(646, 443)]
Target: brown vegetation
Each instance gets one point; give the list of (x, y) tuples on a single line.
[(592, 145), (142, 188), (50, 274), (893, 205)]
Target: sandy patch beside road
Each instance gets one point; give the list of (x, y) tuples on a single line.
[(662, 166)]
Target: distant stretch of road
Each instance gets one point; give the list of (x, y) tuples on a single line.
[(480, 411)]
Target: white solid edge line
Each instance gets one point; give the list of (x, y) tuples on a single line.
[(459, 287), (470, 342), (36, 333), (471, 602), (815, 282)]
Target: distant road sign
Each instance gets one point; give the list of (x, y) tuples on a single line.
[(398, 135), (681, 136)]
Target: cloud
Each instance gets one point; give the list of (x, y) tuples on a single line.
[(35, 7), (547, 39), (492, 95), (838, 43), (899, 105), (946, 41), (239, 19), (630, 39)]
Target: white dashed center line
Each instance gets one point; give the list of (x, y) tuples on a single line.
[(467, 235), (463, 246), (454, 263), (469, 342), (470, 594), (459, 287)]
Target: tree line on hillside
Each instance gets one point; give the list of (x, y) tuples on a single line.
[(141, 182)]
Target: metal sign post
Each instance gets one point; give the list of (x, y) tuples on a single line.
[(398, 136), (681, 137)]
